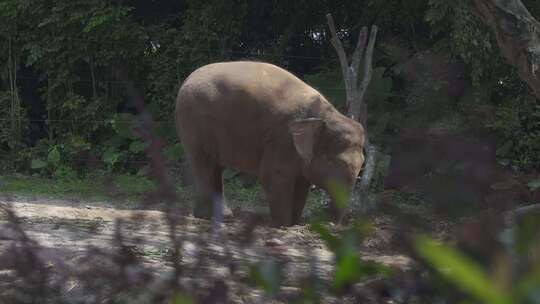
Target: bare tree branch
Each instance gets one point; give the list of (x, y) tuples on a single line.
[(342, 58), (368, 68), (336, 42), (359, 50)]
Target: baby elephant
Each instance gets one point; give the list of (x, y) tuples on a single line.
[(259, 119)]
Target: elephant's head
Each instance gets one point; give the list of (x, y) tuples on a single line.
[(330, 148)]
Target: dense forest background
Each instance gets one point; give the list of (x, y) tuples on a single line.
[(65, 65)]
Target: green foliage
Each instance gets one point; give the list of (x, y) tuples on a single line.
[(71, 112), (111, 156), (123, 125), (338, 193), (213, 27), (329, 81), (53, 162), (95, 186), (521, 259), (518, 126), (461, 271), (38, 164), (426, 103), (534, 184), (178, 298), (266, 275), (75, 48), (380, 86), (6, 132), (174, 152), (134, 185), (466, 37), (241, 195), (349, 267)]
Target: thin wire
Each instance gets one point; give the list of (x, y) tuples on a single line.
[(158, 82), (76, 121), (132, 163), (149, 45), (94, 160)]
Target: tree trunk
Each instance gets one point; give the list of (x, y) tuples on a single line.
[(517, 34), (361, 195), (356, 105)]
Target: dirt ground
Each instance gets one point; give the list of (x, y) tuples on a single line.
[(68, 229)]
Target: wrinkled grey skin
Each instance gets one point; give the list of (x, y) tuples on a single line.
[(262, 120)]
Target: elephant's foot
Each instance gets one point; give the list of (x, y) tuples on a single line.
[(205, 210)]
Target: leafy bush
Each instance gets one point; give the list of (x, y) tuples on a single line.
[(465, 36), (5, 131), (519, 129)]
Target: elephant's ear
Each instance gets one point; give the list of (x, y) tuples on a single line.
[(304, 133)]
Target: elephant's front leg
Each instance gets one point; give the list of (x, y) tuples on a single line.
[(278, 173), (301, 191), (278, 183), (280, 196)]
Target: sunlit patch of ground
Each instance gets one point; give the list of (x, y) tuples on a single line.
[(68, 229)]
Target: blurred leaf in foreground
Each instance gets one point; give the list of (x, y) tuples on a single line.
[(346, 247), (461, 271)]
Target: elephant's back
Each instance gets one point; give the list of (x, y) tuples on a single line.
[(250, 93), (244, 82)]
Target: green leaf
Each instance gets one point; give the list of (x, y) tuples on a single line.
[(347, 270), (179, 298), (527, 233), (331, 241), (111, 156), (373, 268), (266, 275), (504, 149), (122, 124), (80, 143), (229, 173), (54, 156), (338, 193), (174, 152), (137, 146), (96, 21), (461, 271), (38, 164), (527, 284)]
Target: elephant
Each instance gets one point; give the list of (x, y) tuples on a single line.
[(259, 119)]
